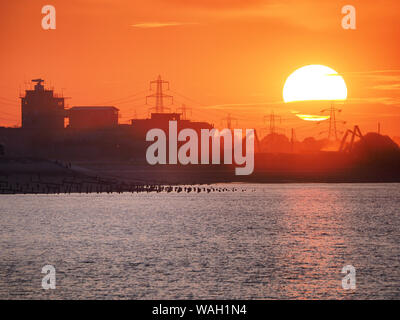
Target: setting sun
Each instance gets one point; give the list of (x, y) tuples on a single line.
[(314, 82)]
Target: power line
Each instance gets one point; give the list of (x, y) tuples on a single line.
[(187, 98), (130, 101), (123, 98)]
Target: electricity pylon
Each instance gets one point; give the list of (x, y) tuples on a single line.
[(332, 121), (272, 119), (184, 110), (229, 120), (159, 95)]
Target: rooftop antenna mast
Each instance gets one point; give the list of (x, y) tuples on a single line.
[(38, 85), (159, 95)]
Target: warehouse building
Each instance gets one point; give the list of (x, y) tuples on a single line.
[(86, 117)]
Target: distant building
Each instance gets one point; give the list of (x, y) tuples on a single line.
[(161, 121), (140, 127), (42, 109), (92, 132), (165, 116), (93, 117)]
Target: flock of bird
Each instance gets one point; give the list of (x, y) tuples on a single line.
[(97, 185)]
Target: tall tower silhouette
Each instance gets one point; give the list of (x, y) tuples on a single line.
[(292, 140), (159, 95), (229, 120), (184, 110), (332, 132), (272, 118)]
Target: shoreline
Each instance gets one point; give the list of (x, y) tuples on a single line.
[(43, 176)]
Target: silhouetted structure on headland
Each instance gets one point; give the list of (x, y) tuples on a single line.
[(92, 132), (94, 135)]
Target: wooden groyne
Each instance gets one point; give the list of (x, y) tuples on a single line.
[(42, 176), (69, 187), (37, 184)]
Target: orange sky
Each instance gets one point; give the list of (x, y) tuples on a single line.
[(222, 56)]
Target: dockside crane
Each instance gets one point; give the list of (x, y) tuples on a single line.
[(354, 133)]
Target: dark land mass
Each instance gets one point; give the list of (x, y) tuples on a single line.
[(374, 158), (33, 175), (94, 153), (41, 176)]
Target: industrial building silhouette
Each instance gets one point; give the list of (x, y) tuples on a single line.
[(92, 136), (85, 117), (43, 109), (50, 130)]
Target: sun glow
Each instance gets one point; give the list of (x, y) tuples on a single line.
[(311, 117), (314, 82)]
